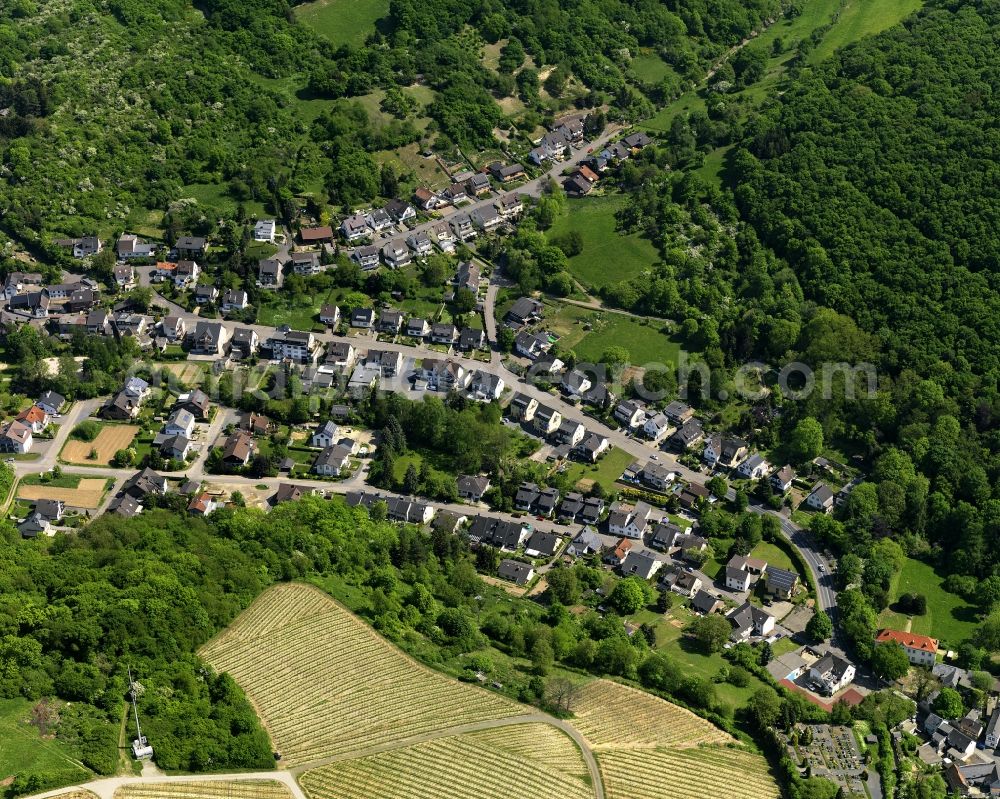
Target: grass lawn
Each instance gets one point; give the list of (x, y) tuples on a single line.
[(774, 555), (669, 640), (650, 68), (408, 160), (23, 749), (607, 256), (342, 21), (216, 195), (278, 308), (606, 471), (645, 343), (860, 18), (949, 618)]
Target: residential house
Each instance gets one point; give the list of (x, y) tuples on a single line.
[(443, 333), (631, 413), (174, 447), (292, 345), (34, 304), (455, 194), (400, 210), (245, 342), (832, 673), (190, 247), (172, 328), (181, 422), (570, 432), (533, 345), (51, 402), (329, 315), (326, 434), (355, 228), (542, 545), (657, 475), (204, 503), (425, 199), (396, 254), (378, 220), (234, 300), (509, 206), (586, 542), (124, 277), (186, 274), (367, 257), (130, 246), (205, 294), (706, 603), (524, 311), (80, 300), (485, 386), (754, 467), (340, 355), (387, 362), (97, 323), (269, 273), (472, 487), (332, 460), (420, 242), (478, 185), (362, 317), (486, 218), (820, 498), (636, 141), (686, 584), (255, 424), (468, 276), (389, 321), (692, 495), (547, 500), (263, 230), (515, 572), (547, 420), (16, 437), (570, 506), (575, 383), (591, 447), (443, 237), (471, 338), (616, 555), (322, 234), (526, 496), (239, 449), (782, 479), (738, 580), (921, 650), (723, 450), (209, 338), (577, 186), (20, 282), (35, 417), (461, 225), (992, 738), (522, 407), (687, 435), (780, 582), (749, 620), (642, 564), (678, 413), (656, 426), (289, 492), (307, 263), (506, 173), (593, 509)]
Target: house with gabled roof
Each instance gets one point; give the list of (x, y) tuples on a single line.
[(515, 572)]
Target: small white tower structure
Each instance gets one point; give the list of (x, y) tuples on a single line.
[(140, 746)]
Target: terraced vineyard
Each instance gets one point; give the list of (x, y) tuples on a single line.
[(213, 789), (692, 773), (649, 720), (324, 683), (524, 761)]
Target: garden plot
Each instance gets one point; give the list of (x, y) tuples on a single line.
[(87, 494), (111, 439)]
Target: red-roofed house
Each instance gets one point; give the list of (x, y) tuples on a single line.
[(920, 649), (35, 418)]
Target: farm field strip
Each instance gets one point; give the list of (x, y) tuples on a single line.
[(650, 721), (258, 789), (541, 743), (111, 439), (686, 774), (87, 494), (460, 767), (326, 684)]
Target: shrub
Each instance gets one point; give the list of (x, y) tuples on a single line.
[(86, 431)]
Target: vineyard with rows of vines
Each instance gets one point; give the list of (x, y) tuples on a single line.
[(325, 684), (650, 721), (691, 773), (205, 789), (523, 761)]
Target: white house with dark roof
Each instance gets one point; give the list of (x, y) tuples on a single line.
[(355, 228), (820, 498)]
